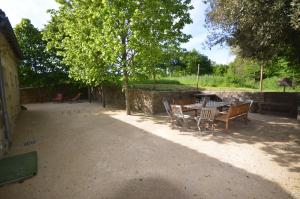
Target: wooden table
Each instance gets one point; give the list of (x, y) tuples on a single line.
[(210, 104), (212, 97)]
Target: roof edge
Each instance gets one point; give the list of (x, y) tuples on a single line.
[(8, 32)]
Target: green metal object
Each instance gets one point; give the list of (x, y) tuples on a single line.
[(18, 168)]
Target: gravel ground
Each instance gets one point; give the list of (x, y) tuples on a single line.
[(89, 152)]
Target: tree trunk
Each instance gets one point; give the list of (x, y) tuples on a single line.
[(128, 111), (103, 97), (89, 94), (261, 77), (124, 63)]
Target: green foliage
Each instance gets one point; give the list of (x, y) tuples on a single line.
[(220, 69), (193, 58), (259, 29), (181, 62), (39, 67), (77, 41), (295, 14), (242, 69), (222, 83), (103, 40)]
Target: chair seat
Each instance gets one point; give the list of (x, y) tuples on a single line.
[(185, 116)]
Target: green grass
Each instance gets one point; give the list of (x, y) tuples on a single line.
[(209, 82)]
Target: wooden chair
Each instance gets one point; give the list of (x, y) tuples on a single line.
[(58, 98), (181, 118), (76, 97), (168, 111), (206, 118)]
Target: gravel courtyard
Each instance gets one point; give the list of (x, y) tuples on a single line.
[(86, 151)]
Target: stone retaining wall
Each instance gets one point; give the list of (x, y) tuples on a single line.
[(150, 102), (41, 95)]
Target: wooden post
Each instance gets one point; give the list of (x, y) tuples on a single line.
[(261, 77), (198, 76)]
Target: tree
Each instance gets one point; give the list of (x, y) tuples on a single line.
[(261, 30), (220, 69), (193, 58), (101, 39), (39, 67)]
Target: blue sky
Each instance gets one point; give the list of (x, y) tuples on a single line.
[(35, 10)]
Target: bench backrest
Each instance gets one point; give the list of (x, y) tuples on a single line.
[(239, 109)]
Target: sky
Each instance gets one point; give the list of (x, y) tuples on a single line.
[(36, 11)]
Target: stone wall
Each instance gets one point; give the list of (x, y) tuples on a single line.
[(41, 95), (11, 84), (150, 102), (240, 95), (35, 95), (113, 96), (11, 81)]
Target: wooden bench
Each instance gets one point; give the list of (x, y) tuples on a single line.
[(234, 112)]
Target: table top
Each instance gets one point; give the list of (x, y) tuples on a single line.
[(210, 104), (204, 94)]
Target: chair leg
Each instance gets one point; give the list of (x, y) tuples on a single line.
[(226, 126), (185, 124), (199, 125)]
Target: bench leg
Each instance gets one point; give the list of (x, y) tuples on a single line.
[(246, 120)]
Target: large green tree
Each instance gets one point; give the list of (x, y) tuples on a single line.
[(261, 30), (100, 40), (39, 66), (193, 58)]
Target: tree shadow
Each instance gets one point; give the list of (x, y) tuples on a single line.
[(279, 136)]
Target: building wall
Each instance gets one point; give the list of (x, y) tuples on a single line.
[(11, 83)]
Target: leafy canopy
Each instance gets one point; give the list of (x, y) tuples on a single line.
[(102, 40), (39, 67), (193, 58), (260, 29)]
